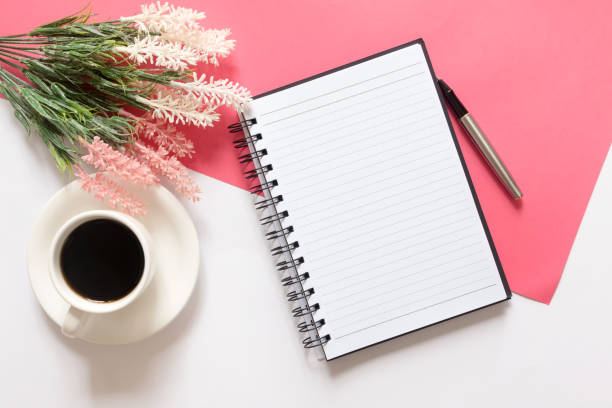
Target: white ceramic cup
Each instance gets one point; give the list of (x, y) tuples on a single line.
[(80, 307)]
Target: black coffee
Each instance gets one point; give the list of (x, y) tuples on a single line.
[(102, 260)]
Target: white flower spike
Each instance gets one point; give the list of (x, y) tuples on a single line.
[(158, 17), (179, 25), (180, 108), (151, 50), (211, 44), (220, 92)]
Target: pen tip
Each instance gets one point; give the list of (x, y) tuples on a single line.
[(445, 88)]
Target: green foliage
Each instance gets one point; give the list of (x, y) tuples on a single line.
[(61, 120), (74, 84)]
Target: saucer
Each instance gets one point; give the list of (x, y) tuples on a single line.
[(174, 245)]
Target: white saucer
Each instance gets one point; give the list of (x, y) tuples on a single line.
[(174, 244)]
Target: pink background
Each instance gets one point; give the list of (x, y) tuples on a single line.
[(534, 74)]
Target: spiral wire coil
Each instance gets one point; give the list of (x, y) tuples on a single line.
[(273, 221)]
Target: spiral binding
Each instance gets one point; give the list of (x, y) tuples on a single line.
[(274, 219)]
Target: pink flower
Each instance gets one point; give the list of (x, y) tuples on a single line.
[(104, 188), (168, 166), (104, 158), (162, 134)]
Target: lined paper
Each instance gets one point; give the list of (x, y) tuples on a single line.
[(378, 198)]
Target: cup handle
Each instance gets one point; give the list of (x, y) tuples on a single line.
[(74, 320)]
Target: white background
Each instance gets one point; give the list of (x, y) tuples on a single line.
[(236, 345)]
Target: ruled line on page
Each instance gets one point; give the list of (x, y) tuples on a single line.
[(356, 298), (345, 143), (430, 239), (342, 131), (345, 155), (323, 213), (404, 295), (395, 214), (386, 216), (380, 181), (351, 126), (369, 170), (353, 272), (401, 224), (342, 99), (422, 299), (341, 247), (375, 225), (352, 131), (373, 114), (414, 311), (396, 251), (343, 88), (363, 193), (402, 259), (363, 319), (369, 289), (376, 191), (395, 273), (393, 157), (292, 131), (275, 129)]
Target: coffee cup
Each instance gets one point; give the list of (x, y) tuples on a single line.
[(100, 262)]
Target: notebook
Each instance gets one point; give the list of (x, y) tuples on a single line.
[(367, 202)]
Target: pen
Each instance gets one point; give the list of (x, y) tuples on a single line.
[(481, 141)]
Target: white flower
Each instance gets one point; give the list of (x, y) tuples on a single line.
[(180, 25), (215, 93), (159, 17), (211, 44), (152, 50), (180, 108)]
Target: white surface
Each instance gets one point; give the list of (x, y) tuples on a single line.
[(235, 344), (382, 210), (174, 250)]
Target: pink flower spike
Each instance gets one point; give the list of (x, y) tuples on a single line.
[(104, 158), (104, 188), (168, 166), (162, 134)]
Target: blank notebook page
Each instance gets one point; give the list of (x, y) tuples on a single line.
[(375, 189)]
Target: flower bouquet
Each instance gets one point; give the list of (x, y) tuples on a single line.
[(110, 94)]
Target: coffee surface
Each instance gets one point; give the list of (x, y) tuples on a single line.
[(102, 260)]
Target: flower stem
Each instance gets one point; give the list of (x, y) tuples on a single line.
[(14, 54), (14, 36), (6, 40), (30, 49), (12, 64), (6, 76)]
